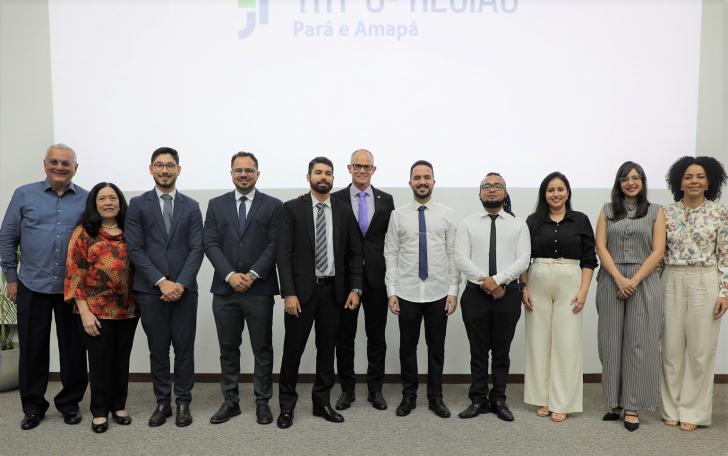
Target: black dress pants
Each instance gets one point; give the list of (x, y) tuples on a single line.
[(323, 311), (35, 313), (170, 323), (108, 364), (490, 325), (411, 315), (231, 312), (374, 302)]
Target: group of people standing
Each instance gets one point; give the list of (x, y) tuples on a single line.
[(101, 266)]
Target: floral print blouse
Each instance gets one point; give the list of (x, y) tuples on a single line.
[(98, 271), (698, 236)]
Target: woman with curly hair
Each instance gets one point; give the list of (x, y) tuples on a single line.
[(630, 243), (98, 275), (695, 290)]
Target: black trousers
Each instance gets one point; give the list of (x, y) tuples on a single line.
[(108, 364), (170, 324), (35, 313), (231, 312), (323, 311), (490, 325), (411, 315), (376, 309)]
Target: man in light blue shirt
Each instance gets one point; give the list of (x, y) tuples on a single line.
[(40, 219)]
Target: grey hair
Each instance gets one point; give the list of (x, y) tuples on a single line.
[(363, 151), (61, 146)]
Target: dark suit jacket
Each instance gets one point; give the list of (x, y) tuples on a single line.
[(229, 250), (155, 254), (295, 253), (373, 242)]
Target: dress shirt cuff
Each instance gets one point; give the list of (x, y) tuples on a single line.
[(156, 284), (255, 275), (227, 277), (11, 275), (391, 291), (452, 290), (500, 279)]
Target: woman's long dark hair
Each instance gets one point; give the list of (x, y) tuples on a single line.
[(618, 209), (541, 211), (713, 170), (90, 218)]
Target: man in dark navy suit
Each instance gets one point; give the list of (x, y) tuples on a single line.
[(240, 241), (371, 208), (319, 264), (164, 240)]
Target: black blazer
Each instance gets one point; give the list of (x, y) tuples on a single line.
[(373, 242), (295, 253), (154, 253), (229, 250)]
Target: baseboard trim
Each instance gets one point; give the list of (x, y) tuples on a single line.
[(361, 378)]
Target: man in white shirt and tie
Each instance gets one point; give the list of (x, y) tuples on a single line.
[(422, 283), (493, 248)]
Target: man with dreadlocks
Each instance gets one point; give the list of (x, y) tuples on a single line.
[(492, 249)]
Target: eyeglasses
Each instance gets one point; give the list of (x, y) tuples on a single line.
[(61, 163), (495, 186), (626, 179), (159, 166), (359, 167), (240, 171)]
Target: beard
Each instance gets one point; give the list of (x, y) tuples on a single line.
[(419, 195), (163, 185), (492, 204), (321, 187)]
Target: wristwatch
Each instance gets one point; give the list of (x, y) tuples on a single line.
[(357, 291)]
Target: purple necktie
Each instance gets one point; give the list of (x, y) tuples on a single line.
[(363, 213)]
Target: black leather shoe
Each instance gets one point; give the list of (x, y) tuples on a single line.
[(329, 414), (72, 417), (474, 409), (406, 406), (345, 401), (226, 411), (285, 419), (184, 417), (100, 428), (160, 415), (501, 410), (377, 400), (438, 406), (263, 414), (124, 420), (612, 414), (31, 421)]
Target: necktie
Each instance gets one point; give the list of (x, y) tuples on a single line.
[(241, 213), (167, 211), (322, 262), (492, 269), (363, 213), (423, 243)]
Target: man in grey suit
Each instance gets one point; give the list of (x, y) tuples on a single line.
[(164, 241), (240, 241)]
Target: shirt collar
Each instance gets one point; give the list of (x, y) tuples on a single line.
[(314, 201), (697, 208), (250, 195), (173, 193), (484, 213), (47, 186), (354, 192)]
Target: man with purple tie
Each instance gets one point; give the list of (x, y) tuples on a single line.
[(371, 208), (422, 283)]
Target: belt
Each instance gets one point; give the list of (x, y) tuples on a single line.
[(323, 280), (556, 260), (515, 285)]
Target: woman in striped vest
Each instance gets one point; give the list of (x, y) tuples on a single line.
[(630, 243)]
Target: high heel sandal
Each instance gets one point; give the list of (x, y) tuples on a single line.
[(671, 423), (631, 426), (557, 417), (688, 427), (543, 411)]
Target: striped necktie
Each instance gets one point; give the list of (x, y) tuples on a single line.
[(322, 263)]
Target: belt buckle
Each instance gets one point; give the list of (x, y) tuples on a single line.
[(557, 260)]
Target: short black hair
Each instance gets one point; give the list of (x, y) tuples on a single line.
[(714, 171), (165, 150), (90, 218), (424, 163), (617, 196), (323, 160), (244, 154)]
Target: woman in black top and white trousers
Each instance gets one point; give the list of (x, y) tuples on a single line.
[(557, 283)]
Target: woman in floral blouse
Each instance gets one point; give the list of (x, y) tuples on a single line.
[(695, 289), (98, 275)]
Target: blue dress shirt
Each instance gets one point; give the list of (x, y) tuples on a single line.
[(40, 222)]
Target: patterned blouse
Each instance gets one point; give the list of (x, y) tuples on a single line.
[(98, 270), (698, 236)]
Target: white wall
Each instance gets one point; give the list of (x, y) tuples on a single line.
[(26, 129)]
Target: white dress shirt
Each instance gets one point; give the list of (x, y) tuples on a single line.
[(173, 194), (330, 269), (401, 253), (472, 247)]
